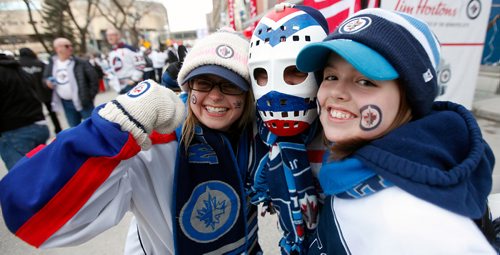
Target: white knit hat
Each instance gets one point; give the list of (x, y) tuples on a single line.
[(223, 53)]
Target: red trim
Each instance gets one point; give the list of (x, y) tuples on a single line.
[(315, 156), (71, 198), (462, 44), (157, 138), (35, 151)]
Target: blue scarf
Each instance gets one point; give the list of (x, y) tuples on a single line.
[(283, 176), (349, 178), (211, 212)]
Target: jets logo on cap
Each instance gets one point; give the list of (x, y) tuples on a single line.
[(355, 25), (224, 51)]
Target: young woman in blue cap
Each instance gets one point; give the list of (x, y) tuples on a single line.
[(405, 174), (185, 189)]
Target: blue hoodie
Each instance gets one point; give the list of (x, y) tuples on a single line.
[(440, 158)]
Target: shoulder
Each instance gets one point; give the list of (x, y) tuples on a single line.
[(128, 47)]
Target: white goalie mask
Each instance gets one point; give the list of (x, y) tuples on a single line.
[(285, 97)]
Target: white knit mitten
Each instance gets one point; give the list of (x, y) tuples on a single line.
[(146, 107)]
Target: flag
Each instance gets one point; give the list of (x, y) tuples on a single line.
[(370, 4), (230, 10), (335, 11)]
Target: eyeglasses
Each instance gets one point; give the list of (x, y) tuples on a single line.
[(206, 85), (67, 46)]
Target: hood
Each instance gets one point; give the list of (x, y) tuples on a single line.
[(27, 53), (441, 158), (8, 61)]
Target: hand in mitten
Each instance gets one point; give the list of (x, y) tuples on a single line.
[(146, 107)]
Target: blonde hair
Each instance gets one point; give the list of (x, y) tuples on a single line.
[(247, 118), (343, 149)]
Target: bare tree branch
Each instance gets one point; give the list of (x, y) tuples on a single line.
[(33, 24)]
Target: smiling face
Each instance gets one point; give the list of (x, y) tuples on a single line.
[(353, 106), (215, 109)]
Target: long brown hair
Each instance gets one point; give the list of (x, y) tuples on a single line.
[(343, 149), (246, 118)]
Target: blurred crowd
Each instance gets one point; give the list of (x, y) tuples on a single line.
[(65, 83)]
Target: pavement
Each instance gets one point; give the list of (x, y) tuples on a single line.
[(486, 108)]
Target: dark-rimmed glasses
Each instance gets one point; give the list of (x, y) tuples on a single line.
[(206, 85)]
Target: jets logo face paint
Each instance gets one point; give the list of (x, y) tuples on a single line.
[(371, 117)]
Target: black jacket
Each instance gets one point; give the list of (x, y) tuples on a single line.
[(19, 105), (32, 65), (86, 78)]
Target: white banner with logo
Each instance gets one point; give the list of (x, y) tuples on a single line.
[(460, 26)]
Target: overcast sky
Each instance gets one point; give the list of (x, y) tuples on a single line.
[(187, 14)]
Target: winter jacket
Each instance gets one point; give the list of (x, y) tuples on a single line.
[(87, 179), (35, 67), (86, 79), (19, 105)]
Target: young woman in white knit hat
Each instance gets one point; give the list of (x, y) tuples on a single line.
[(405, 174), (185, 188)]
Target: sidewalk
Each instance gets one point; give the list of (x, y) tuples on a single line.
[(487, 95)]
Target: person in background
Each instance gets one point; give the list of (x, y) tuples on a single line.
[(185, 189), (148, 71), (127, 64), (95, 61), (169, 77), (32, 65), (74, 82), (398, 179), (22, 124), (159, 60)]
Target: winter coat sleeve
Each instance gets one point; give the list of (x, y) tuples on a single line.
[(92, 79), (73, 189)]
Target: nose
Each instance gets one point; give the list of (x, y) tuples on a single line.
[(336, 89), (215, 93)]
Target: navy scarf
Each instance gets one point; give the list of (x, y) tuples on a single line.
[(284, 177), (209, 201)]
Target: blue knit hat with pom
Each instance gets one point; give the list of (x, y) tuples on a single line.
[(384, 45)]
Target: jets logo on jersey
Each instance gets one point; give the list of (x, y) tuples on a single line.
[(210, 212), (355, 25), (140, 89), (117, 63)]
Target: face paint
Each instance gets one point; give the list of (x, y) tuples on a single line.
[(371, 116), (238, 104), (193, 99)]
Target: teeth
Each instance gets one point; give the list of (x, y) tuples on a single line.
[(286, 115), (216, 109), (340, 114)]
